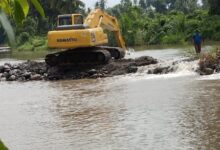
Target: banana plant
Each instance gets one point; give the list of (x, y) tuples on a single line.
[(18, 10)]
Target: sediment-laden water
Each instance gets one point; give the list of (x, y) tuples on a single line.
[(178, 110)]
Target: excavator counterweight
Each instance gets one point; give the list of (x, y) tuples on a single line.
[(81, 42)]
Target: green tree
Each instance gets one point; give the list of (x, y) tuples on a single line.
[(126, 3), (214, 7), (53, 8), (143, 4), (205, 4), (159, 5), (186, 6), (101, 4)]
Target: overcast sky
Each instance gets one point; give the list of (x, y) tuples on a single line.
[(91, 3)]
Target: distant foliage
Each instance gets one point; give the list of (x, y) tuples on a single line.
[(23, 37), (142, 21), (101, 4), (214, 7), (140, 26)]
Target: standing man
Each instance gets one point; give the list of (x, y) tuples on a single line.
[(197, 41)]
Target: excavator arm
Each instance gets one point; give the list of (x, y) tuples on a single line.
[(98, 18)]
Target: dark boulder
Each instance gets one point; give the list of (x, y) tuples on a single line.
[(206, 71), (145, 60), (1, 69), (36, 77)]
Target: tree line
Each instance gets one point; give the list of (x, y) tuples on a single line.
[(142, 21)]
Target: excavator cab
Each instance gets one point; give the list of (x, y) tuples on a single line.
[(70, 21)]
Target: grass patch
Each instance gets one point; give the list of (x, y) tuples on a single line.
[(35, 43), (173, 39)]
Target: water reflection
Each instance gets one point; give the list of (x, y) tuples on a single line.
[(201, 116), (87, 111)]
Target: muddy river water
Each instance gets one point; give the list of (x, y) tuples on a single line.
[(177, 111)]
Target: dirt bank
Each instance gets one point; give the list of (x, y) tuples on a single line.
[(209, 63)]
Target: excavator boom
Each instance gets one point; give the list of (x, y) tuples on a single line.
[(98, 18)]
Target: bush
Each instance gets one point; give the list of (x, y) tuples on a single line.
[(37, 42), (216, 36), (23, 37), (192, 25), (30, 26), (173, 39), (26, 47)]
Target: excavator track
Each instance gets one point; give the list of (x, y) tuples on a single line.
[(116, 52), (84, 56)]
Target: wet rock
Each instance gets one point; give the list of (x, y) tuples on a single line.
[(8, 64), (15, 66), (160, 70), (207, 71), (36, 77), (132, 69), (145, 60), (217, 68), (26, 75), (92, 71), (5, 75), (14, 72), (3, 79), (1, 69), (52, 70), (98, 75), (12, 78), (7, 67), (55, 77), (21, 79), (45, 75)]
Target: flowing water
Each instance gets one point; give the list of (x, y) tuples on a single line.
[(180, 111)]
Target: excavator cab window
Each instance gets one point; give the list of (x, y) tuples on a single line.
[(78, 19), (70, 21), (65, 20)]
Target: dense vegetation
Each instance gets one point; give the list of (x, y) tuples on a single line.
[(142, 21), (166, 21)]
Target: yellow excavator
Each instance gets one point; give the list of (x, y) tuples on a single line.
[(81, 41)]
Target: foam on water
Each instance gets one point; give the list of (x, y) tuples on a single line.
[(215, 76), (180, 69)]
